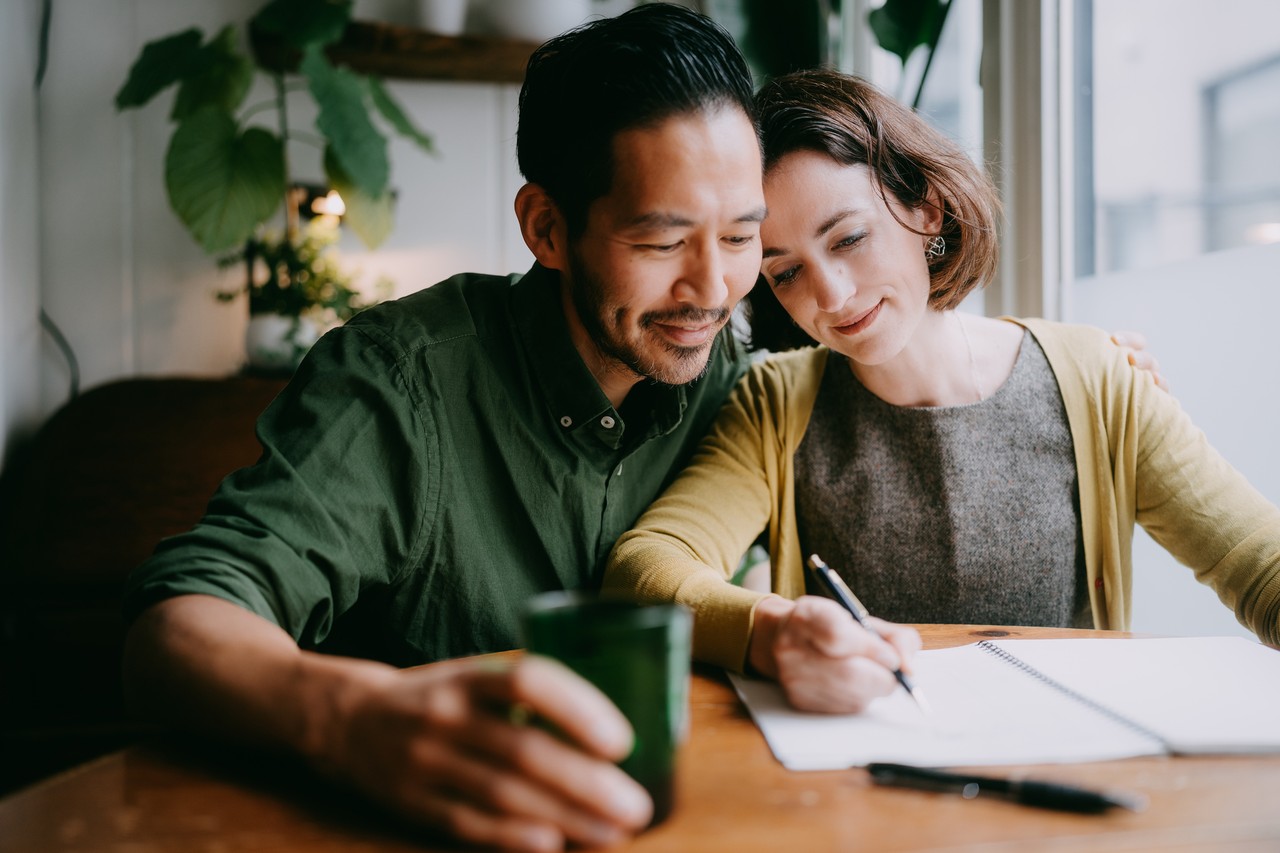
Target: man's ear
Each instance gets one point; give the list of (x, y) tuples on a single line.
[(543, 227)]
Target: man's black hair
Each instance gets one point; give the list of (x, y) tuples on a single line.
[(634, 70)]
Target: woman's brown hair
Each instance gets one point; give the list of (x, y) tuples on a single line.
[(852, 122)]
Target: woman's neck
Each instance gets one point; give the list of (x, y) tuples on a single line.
[(953, 359)]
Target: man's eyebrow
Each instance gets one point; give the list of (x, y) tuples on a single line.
[(660, 219), (663, 219)]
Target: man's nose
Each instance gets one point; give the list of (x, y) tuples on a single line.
[(702, 282)]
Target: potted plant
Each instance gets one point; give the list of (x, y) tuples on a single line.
[(227, 174)]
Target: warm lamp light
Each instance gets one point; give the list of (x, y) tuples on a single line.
[(312, 200), (330, 204)]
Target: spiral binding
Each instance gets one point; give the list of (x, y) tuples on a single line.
[(1017, 662)]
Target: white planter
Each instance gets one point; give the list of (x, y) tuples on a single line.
[(276, 343), (443, 17)]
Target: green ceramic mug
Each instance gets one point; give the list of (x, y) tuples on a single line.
[(638, 655)]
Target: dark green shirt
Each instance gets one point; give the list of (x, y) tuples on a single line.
[(432, 464)]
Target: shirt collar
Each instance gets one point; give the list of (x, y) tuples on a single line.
[(574, 399)]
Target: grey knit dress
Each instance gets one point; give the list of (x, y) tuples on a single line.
[(961, 514)]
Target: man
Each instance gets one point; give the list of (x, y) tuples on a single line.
[(439, 459)]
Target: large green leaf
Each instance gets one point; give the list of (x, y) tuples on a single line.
[(901, 26), (221, 77), (343, 118), (222, 182), (396, 117), (370, 217), (162, 63), (305, 22)]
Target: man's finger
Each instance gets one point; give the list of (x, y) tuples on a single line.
[(575, 706), (1133, 340), (496, 787), (463, 820), (566, 773)]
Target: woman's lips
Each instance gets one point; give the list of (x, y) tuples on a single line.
[(860, 322)]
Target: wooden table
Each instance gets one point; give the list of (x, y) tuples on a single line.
[(732, 796)]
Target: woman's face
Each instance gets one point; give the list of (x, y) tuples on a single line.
[(849, 273)]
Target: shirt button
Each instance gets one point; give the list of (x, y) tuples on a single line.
[(607, 422), (566, 422)]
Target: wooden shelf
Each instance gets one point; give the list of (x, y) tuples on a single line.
[(406, 53)]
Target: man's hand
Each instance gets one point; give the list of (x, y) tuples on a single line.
[(822, 658), (1136, 345), (465, 746), (439, 745)]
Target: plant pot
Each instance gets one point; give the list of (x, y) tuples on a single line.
[(276, 343)]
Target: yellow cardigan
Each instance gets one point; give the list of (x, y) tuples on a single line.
[(1138, 456)]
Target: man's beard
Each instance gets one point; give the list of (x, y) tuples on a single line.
[(681, 364)]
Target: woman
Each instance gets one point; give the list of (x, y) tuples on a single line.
[(953, 468)]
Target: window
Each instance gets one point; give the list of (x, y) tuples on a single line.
[(1180, 106)]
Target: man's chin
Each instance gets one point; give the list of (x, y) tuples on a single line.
[(678, 365)]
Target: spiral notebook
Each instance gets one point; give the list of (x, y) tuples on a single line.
[(1045, 701)]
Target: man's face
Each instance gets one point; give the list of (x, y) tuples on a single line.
[(670, 250)]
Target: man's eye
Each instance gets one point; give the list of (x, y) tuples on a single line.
[(740, 240)]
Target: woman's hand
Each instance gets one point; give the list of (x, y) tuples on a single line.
[(823, 659)]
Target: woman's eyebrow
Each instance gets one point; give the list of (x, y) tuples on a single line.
[(826, 225)]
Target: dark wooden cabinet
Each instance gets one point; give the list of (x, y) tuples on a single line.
[(107, 477)]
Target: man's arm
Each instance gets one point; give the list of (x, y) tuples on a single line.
[(434, 744)]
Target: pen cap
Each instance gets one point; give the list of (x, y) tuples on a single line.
[(1050, 796)]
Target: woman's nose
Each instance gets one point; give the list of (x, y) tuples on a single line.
[(832, 288)]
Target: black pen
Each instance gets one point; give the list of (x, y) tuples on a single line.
[(1028, 792), (845, 597)]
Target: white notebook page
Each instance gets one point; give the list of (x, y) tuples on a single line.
[(988, 712), (1200, 694)]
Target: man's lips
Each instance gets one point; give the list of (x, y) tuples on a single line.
[(689, 335), (859, 322)]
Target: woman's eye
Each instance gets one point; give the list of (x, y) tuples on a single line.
[(786, 276), (851, 240)]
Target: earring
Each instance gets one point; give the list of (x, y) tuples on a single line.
[(935, 247)]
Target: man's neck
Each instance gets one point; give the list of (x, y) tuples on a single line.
[(614, 378)]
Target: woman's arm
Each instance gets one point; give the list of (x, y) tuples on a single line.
[(687, 545), (1203, 511)]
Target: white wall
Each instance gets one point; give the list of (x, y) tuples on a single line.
[(1211, 321), (19, 204), (132, 290)]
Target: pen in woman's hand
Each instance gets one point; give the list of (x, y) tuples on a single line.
[(844, 596)]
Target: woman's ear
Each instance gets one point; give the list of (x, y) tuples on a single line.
[(543, 227), (930, 214)]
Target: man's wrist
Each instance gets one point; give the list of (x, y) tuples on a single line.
[(330, 691)]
